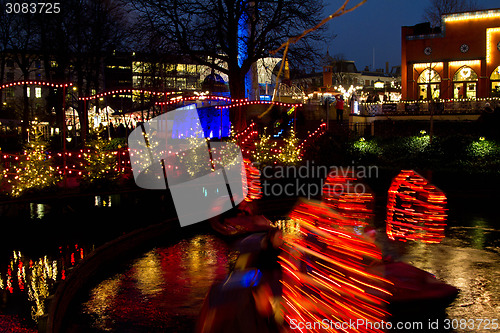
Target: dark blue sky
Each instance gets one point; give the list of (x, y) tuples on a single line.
[(377, 25)]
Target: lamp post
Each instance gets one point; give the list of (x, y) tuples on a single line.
[(64, 135)]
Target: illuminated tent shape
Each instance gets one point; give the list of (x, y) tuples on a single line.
[(345, 193), (327, 273), (415, 209)]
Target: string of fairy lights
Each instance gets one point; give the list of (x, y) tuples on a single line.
[(36, 83), (439, 100), (37, 168)]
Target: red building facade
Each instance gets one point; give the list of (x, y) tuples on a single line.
[(460, 60)]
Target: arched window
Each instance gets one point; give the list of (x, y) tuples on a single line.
[(495, 82), (464, 83), (428, 84)]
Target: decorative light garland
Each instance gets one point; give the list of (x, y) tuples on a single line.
[(441, 100), (36, 83), (477, 15), (422, 65), (194, 98), (126, 91), (246, 102), (489, 33), (314, 135)]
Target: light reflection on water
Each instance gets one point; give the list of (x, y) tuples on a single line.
[(106, 200), (475, 272), (163, 289), (33, 279), (38, 210)]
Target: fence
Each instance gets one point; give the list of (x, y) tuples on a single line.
[(462, 106)]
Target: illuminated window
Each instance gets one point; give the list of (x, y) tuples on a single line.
[(465, 73), (495, 82), (28, 92), (429, 75), (428, 84), (191, 68), (181, 67), (10, 92), (464, 83), (181, 83), (169, 68), (38, 92), (495, 75)]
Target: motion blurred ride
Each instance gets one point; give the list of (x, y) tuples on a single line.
[(345, 193), (329, 268), (248, 300), (331, 272), (415, 209)]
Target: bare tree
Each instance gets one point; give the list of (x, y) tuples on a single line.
[(6, 29), (342, 69), (74, 43), (225, 29), (22, 44), (437, 8)]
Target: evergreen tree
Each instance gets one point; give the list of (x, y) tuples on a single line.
[(35, 170), (290, 153), (265, 150), (100, 163)]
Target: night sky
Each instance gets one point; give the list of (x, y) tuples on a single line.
[(377, 25)]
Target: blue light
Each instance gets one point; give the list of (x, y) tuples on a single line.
[(251, 278), (210, 119), (243, 35), (279, 134)]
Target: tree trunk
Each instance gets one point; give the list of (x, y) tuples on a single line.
[(2, 73), (237, 115), (26, 112), (82, 109)]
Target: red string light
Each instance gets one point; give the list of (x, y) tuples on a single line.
[(246, 102), (35, 83), (415, 209), (314, 135), (253, 181), (326, 273), (344, 192)]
